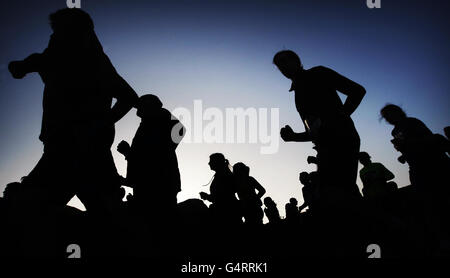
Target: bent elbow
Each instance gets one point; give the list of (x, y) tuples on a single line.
[(362, 92)]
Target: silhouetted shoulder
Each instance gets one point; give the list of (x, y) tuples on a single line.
[(167, 115), (413, 126), (324, 74), (415, 122), (252, 179), (319, 70)]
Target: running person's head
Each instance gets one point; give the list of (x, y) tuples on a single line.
[(364, 158), (268, 202), (392, 113), (71, 21), (304, 178), (148, 105), (241, 170), (73, 32), (288, 63), (218, 163), (293, 201)]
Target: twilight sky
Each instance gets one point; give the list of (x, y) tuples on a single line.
[(220, 52)]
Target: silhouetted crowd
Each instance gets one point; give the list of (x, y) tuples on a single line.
[(334, 220)]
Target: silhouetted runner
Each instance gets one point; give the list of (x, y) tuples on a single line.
[(247, 186), (152, 161), (271, 211), (429, 168), (375, 178), (327, 123), (310, 183), (225, 208), (78, 120), (292, 211), (419, 147)]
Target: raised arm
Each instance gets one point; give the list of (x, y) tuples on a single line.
[(388, 174), (303, 206), (32, 63), (354, 92), (288, 135), (126, 99), (125, 95), (258, 187)]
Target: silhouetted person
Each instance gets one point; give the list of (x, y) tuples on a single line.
[(247, 187), (375, 178), (309, 190), (428, 164), (292, 211), (327, 123), (225, 207), (271, 211), (9, 239), (78, 120), (152, 169), (428, 171)]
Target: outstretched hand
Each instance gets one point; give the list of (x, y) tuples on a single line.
[(15, 68), (287, 134)]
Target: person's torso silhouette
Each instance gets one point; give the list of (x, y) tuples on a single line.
[(78, 120), (152, 162), (327, 124)]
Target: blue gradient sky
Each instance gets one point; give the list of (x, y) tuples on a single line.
[(221, 52)]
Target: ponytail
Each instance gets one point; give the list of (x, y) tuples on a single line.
[(227, 163)]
